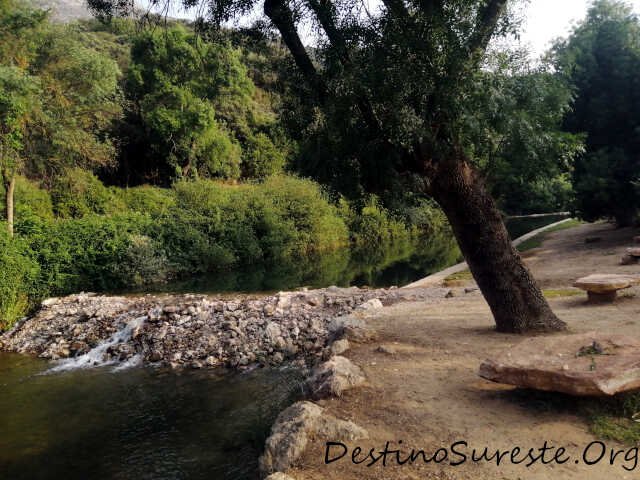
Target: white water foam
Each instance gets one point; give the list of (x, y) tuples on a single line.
[(96, 356)]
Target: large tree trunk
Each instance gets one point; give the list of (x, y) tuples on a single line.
[(9, 186), (515, 299)]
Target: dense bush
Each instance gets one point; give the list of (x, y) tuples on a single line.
[(372, 227), (282, 218), (79, 192), (18, 278), (146, 199), (601, 61)]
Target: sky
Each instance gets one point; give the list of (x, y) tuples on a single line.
[(550, 19), (545, 20)]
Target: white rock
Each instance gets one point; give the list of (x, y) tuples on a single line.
[(370, 305)]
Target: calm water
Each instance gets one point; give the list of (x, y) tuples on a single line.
[(141, 423), (396, 266)]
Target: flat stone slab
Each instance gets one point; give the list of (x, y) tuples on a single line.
[(605, 282), (634, 251), (585, 364)]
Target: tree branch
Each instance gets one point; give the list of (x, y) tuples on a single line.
[(323, 10), (486, 22), (282, 17)]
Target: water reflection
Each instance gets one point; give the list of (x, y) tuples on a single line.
[(392, 265)]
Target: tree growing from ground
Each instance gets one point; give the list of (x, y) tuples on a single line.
[(19, 29), (601, 60), (58, 98), (394, 88), (18, 97)]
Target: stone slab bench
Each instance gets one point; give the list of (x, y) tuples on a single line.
[(584, 364), (603, 287)]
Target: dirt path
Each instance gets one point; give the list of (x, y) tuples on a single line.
[(428, 394)]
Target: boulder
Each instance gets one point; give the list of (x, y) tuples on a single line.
[(339, 346), (293, 429), (333, 377), (351, 327), (628, 260), (585, 364), (370, 305)]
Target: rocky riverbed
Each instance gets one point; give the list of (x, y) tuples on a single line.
[(198, 331)]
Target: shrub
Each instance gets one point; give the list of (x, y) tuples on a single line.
[(261, 157), (373, 228), (89, 253), (147, 199), (143, 262), (18, 278), (79, 192), (283, 217), (32, 201)]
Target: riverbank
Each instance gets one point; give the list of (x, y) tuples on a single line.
[(422, 384)]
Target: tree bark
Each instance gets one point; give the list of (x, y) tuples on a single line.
[(9, 186), (512, 293), (282, 17)]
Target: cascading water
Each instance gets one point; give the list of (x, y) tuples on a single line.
[(97, 357)]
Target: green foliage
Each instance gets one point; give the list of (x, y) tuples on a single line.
[(601, 60), (31, 202), (147, 199), (184, 126), (18, 98), (279, 219), (194, 105), (92, 253), (80, 101), (372, 228), (515, 136), (19, 274), (20, 27), (78, 193), (261, 157)]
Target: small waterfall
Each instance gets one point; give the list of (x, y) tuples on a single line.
[(96, 356)]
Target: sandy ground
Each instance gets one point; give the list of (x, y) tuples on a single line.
[(428, 394)]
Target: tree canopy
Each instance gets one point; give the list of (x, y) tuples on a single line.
[(194, 104), (601, 61)]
